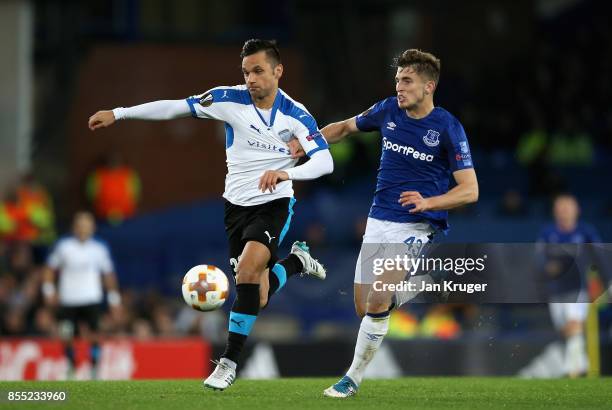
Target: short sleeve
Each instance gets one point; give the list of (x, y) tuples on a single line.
[(213, 104), (457, 147), (592, 235), (54, 260), (105, 263), (372, 118)]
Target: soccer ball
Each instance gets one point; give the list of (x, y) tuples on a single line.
[(205, 287)]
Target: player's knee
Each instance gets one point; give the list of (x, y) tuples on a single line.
[(378, 302), (378, 307), (248, 272), (247, 276), (573, 328)]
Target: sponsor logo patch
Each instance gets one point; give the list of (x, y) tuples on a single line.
[(406, 150), (285, 135), (206, 100), (270, 147), (314, 136), (465, 157)]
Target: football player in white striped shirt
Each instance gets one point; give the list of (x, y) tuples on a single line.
[(84, 268), (259, 120)]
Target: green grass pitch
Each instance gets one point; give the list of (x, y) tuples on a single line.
[(405, 393)]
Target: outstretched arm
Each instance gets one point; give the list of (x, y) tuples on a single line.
[(333, 133), (156, 110), (336, 131)]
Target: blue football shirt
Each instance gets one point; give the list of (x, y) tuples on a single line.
[(417, 155), (573, 263), (582, 233)]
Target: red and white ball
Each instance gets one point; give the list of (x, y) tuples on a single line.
[(205, 288)]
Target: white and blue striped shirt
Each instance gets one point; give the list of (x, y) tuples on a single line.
[(256, 140)]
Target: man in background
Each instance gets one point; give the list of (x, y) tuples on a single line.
[(84, 269), (564, 276), (113, 189)]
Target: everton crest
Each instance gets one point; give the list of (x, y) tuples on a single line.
[(432, 138)]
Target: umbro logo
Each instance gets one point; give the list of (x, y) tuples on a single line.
[(372, 336), (255, 128), (237, 322), (391, 126), (269, 236)]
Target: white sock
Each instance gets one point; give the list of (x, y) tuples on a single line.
[(575, 355), (371, 334), (229, 362)]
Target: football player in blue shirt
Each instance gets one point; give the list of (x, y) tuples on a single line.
[(567, 285), (422, 145)]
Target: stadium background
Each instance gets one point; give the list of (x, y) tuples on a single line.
[(530, 80)]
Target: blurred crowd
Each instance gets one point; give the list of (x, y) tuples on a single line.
[(27, 233), (143, 313), (553, 97)]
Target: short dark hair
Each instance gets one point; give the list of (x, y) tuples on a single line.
[(256, 45), (425, 64), (562, 195)]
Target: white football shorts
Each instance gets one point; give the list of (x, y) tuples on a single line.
[(386, 239), (562, 313)]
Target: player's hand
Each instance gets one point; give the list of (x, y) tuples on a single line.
[(51, 300), (414, 198), (115, 312), (269, 180), (101, 119), (296, 148)]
